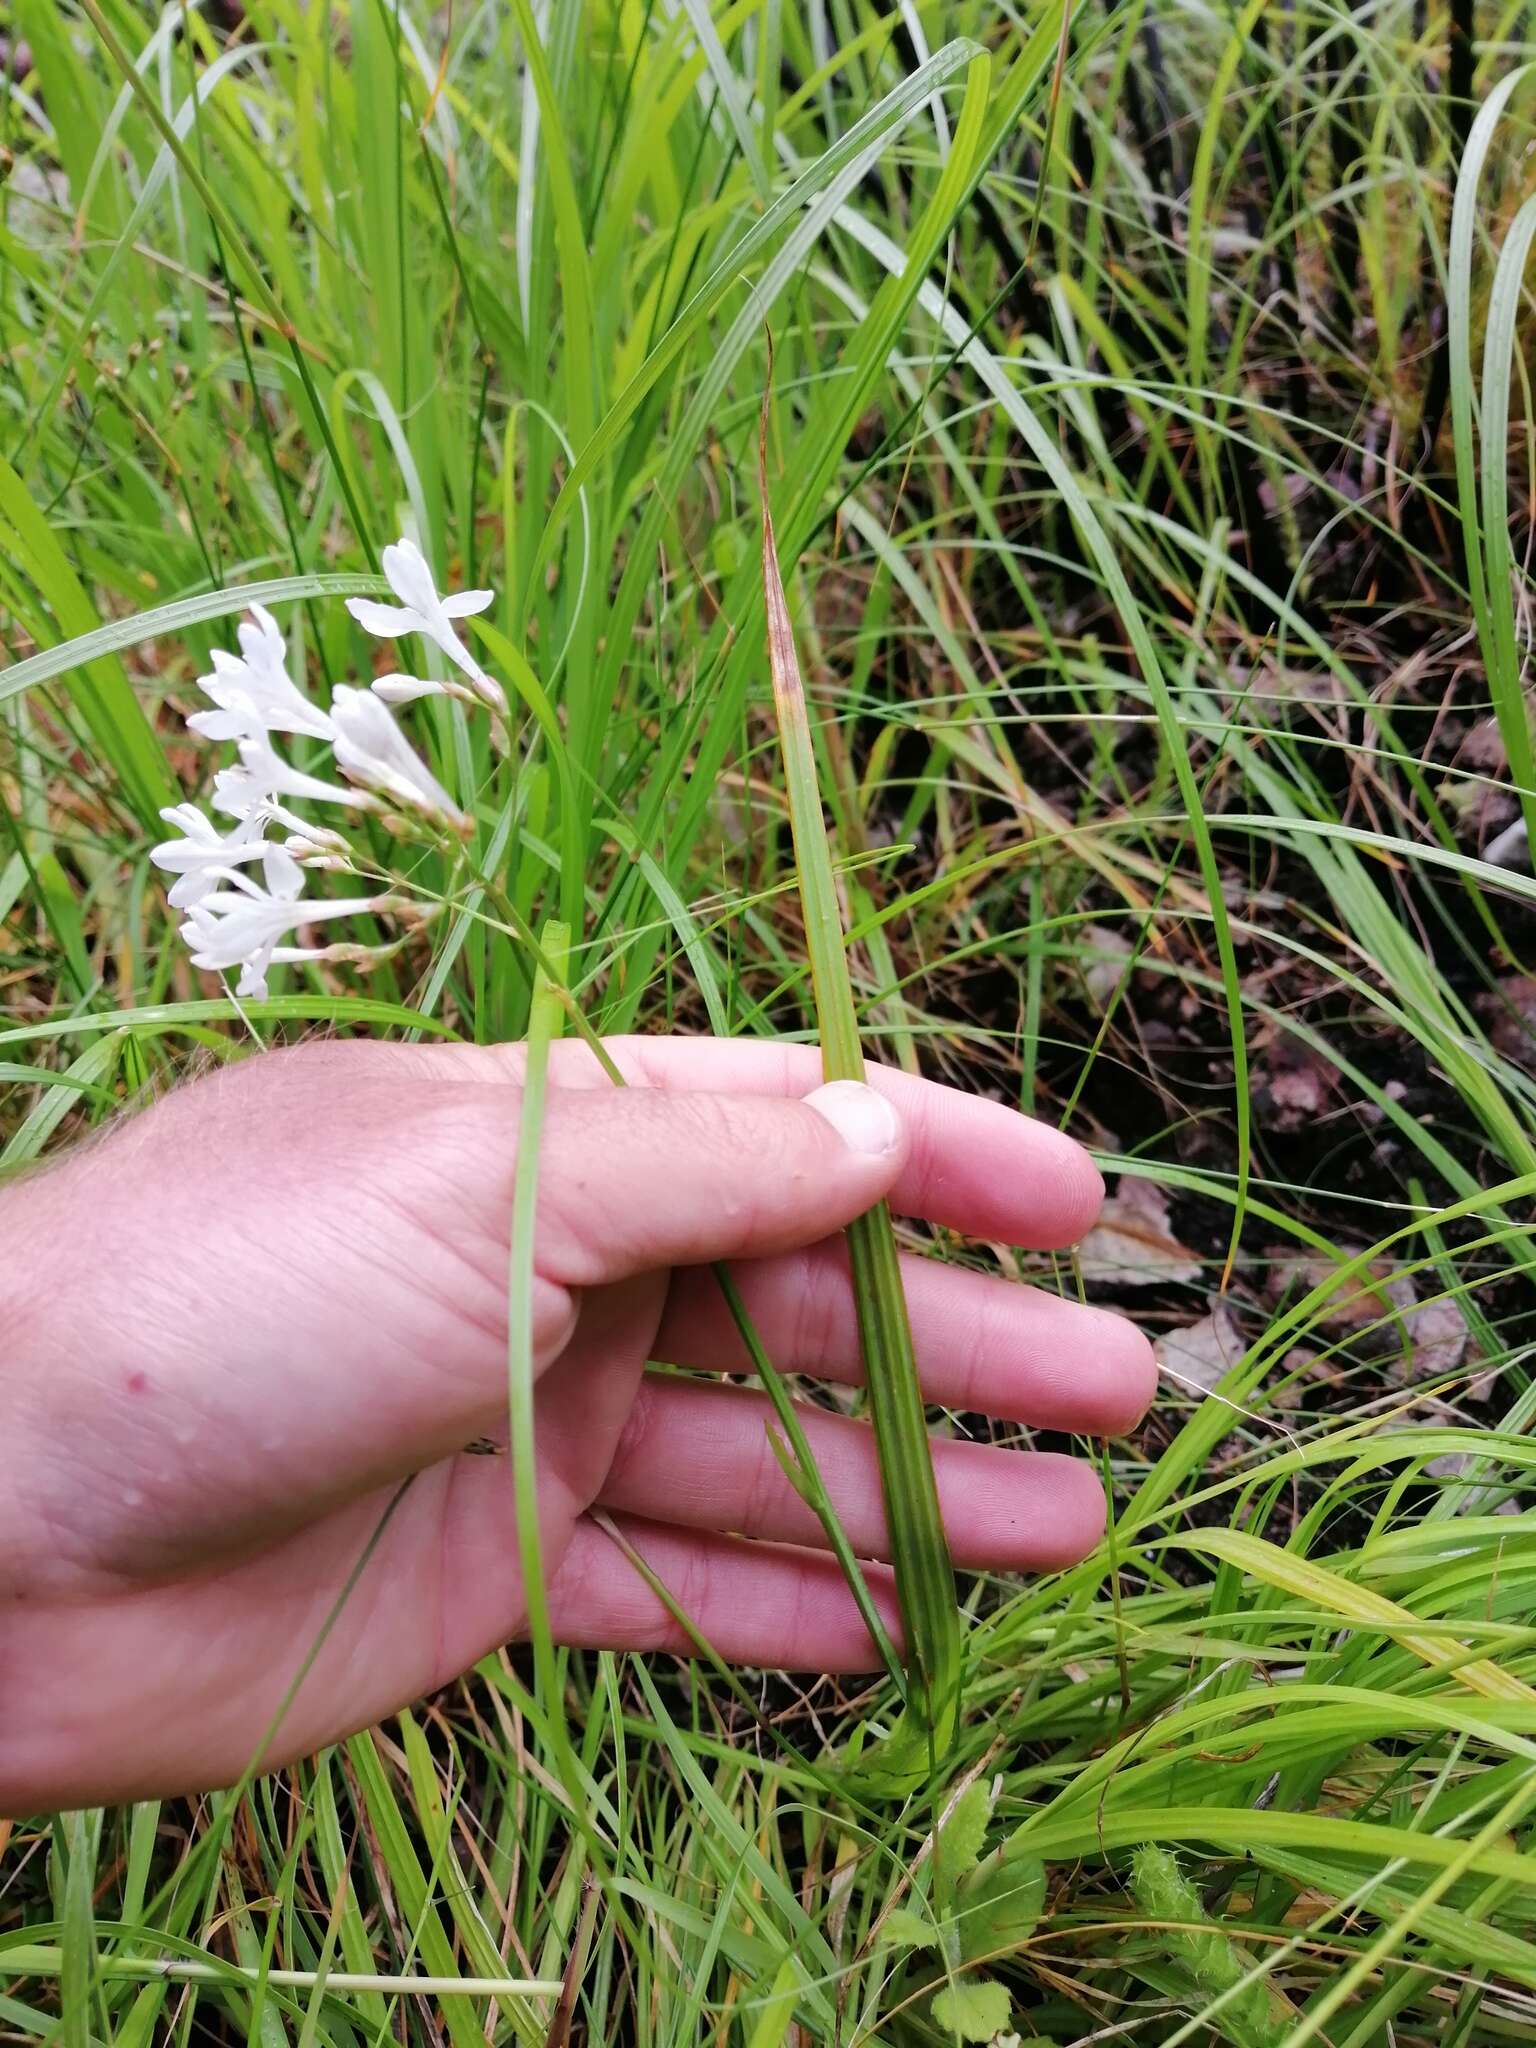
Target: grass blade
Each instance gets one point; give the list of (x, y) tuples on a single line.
[(925, 1579), (1501, 649), (544, 1027)]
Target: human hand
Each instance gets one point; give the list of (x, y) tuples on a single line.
[(238, 1323)]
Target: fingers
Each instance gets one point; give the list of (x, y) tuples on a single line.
[(973, 1165), (177, 1688), (632, 1179), (700, 1454), (983, 1343), (753, 1603)]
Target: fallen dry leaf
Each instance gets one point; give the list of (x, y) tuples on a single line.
[(1510, 1012), (1133, 1245), (1449, 1465), (1410, 1339), (1293, 1085), (1436, 1344), (1373, 1296), (1105, 952), (1483, 748), (1204, 1352)]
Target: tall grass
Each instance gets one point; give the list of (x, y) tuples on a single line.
[(1166, 687)]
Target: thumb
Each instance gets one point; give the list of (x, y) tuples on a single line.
[(632, 1179)]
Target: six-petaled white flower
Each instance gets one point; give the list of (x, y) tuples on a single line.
[(252, 691), (244, 927), (372, 749), (421, 610), (204, 856)]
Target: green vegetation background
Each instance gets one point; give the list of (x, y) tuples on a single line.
[(1151, 465)]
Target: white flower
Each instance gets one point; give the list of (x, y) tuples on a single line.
[(243, 927), (247, 791), (253, 692), (242, 892), (421, 610), (203, 857), (372, 749)]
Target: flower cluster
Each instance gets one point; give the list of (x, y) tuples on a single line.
[(243, 891)]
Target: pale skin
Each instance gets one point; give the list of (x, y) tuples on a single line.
[(234, 1327)]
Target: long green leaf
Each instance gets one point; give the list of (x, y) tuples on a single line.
[(925, 1578)]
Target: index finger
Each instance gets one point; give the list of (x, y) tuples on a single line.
[(975, 1166)]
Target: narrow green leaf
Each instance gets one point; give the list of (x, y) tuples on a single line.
[(925, 1579), (544, 1027), (1502, 652), (80, 1832), (85, 647)]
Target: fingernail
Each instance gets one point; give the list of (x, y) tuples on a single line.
[(863, 1120)]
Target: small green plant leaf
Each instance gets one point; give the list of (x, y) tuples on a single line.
[(999, 1904), (56, 899), (975, 2009), (902, 1928), (964, 1830)]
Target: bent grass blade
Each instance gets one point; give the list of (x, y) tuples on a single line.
[(925, 1579)]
